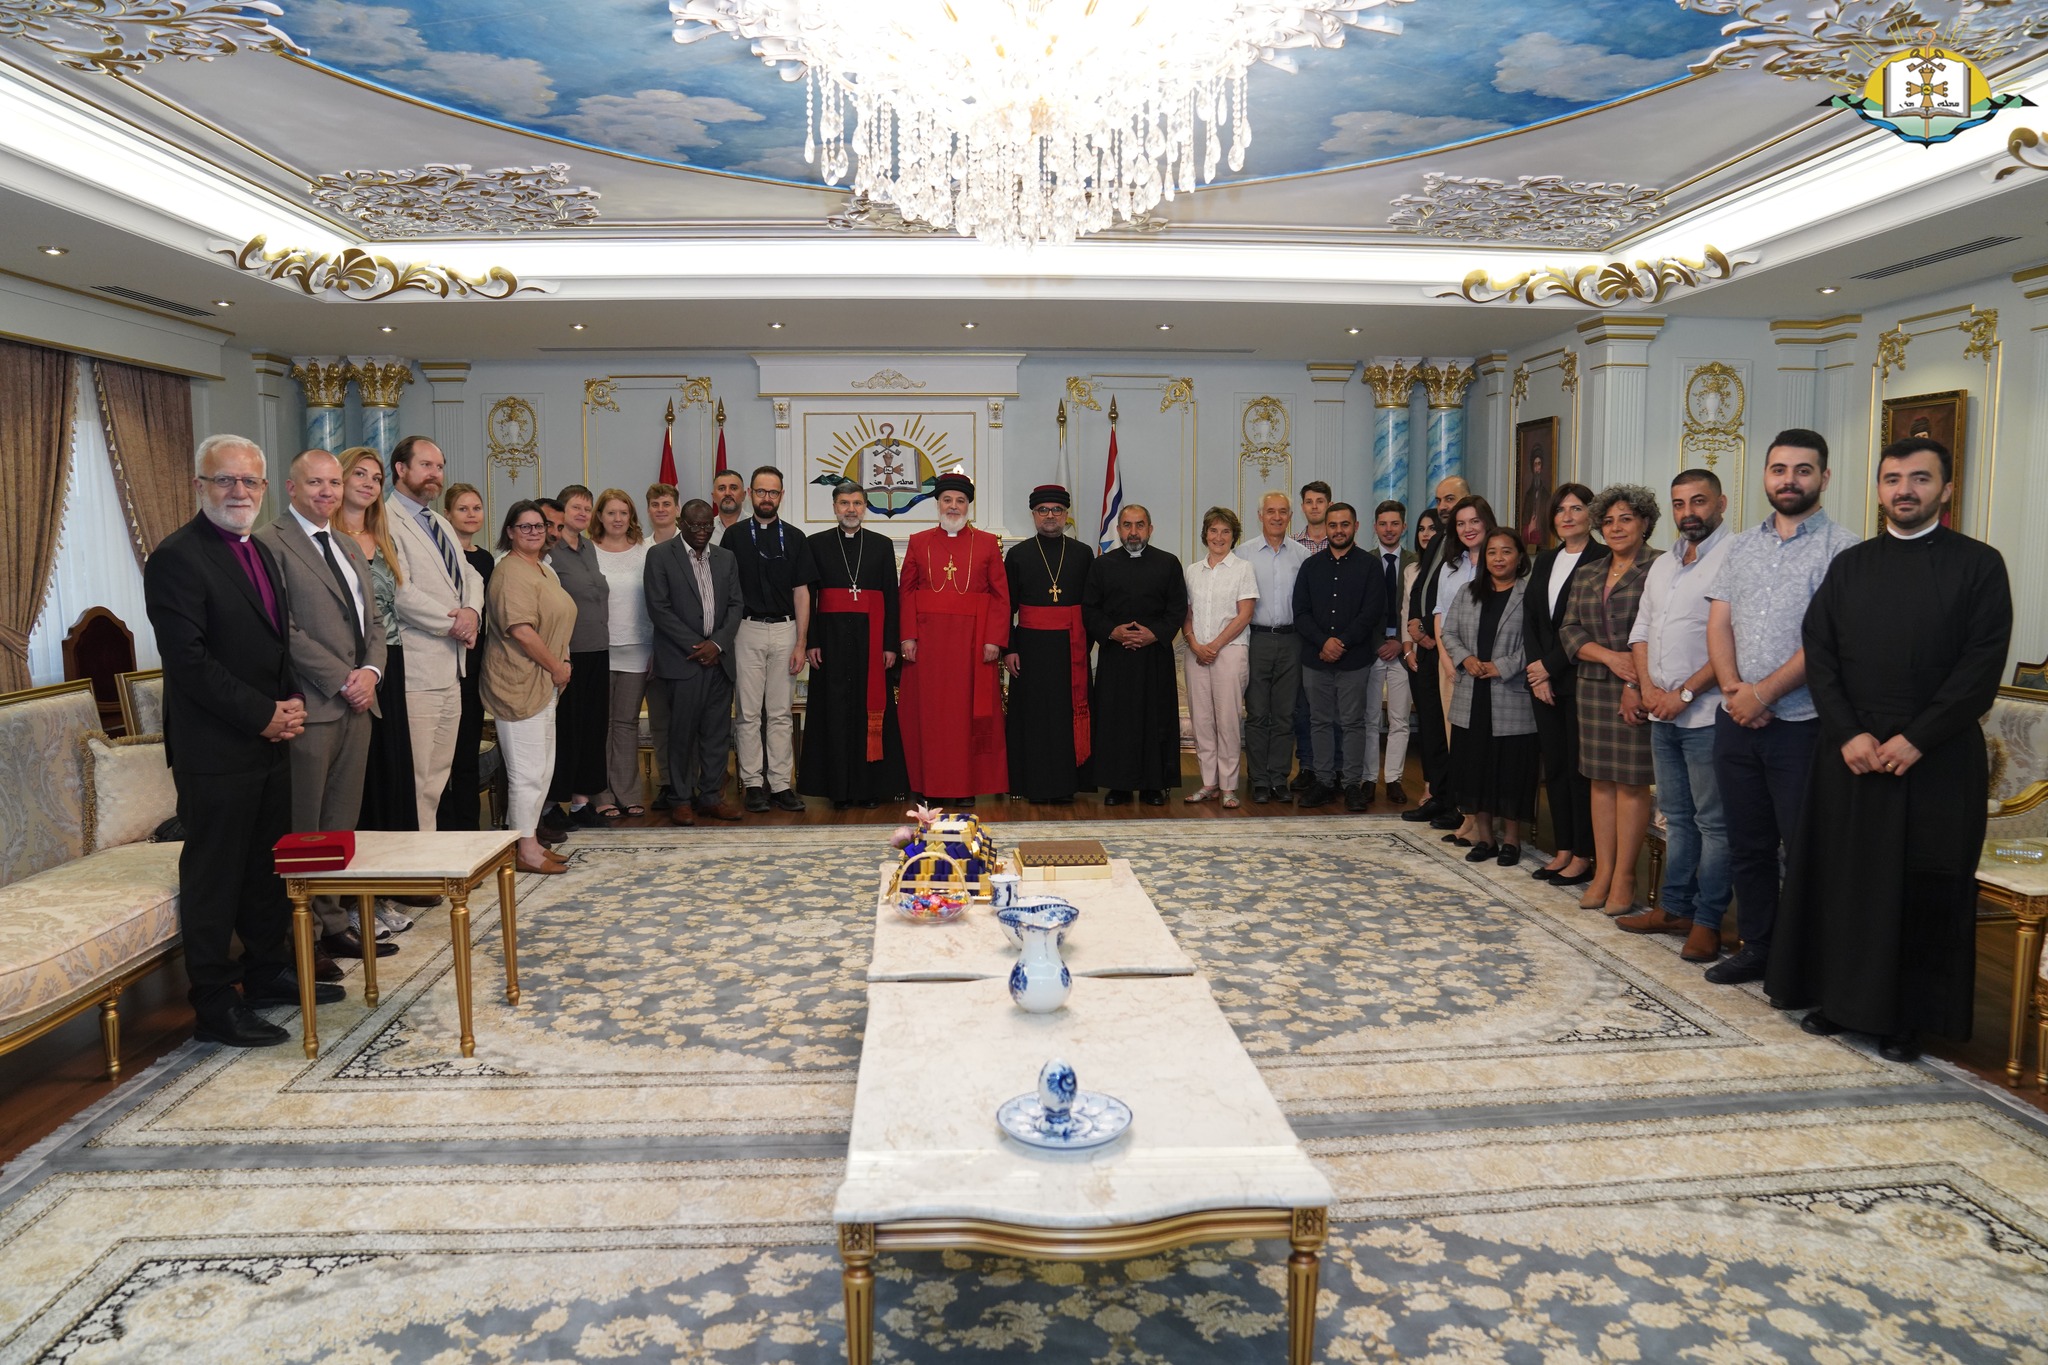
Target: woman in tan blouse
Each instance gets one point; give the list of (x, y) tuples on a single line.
[(525, 668)]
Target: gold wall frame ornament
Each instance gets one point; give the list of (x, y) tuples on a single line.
[(1891, 351), (120, 37), (1568, 371), (444, 196), (1390, 384), (1081, 393), (1980, 326), (1715, 402), (380, 381), (1607, 285), (887, 379), (1544, 209), (601, 393), (1518, 391), (1267, 434), (324, 382), (1180, 393), (697, 392), (1831, 44), (512, 437), (355, 274)]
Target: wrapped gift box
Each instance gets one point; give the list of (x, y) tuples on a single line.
[(318, 851)]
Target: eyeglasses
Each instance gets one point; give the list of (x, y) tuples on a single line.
[(531, 528), (767, 492), (227, 483)]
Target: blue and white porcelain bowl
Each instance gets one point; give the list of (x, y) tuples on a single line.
[(1061, 914)]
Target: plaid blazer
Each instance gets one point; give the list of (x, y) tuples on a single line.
[(1588, 620), (1514, 710)]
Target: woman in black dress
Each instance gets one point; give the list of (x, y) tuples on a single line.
[(1494, 752), (460, 807), (1552, 683), (1426, 722), (388, 801)]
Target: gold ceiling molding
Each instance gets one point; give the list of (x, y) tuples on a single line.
[(1601, 286), (1715, 401), (1538, 208), (2022, 141), (120, 37), (1830, 44), (353, 273), (1267, 431), (450, 197)]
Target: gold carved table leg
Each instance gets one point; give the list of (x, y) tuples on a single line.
[(508, 925), (1311, 1230), (302, 960), (857, 1250), (366, 931), (2026, 968), (458, 935), (110, 1033)]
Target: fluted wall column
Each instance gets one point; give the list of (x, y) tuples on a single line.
[(1324, 455), (1391, 380), (2029, 567), (324, 380), (379, 378), (1617, 408), (1445, 381)]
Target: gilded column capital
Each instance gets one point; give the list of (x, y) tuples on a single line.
[(1391, 378), (324, 378), (1447, 380), (379, 378)]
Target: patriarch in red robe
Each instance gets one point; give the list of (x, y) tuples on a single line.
[(956, 621)]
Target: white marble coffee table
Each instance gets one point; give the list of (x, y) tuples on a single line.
[(1208, 1156), (2021, 888), (391, 863), (1119, 933)]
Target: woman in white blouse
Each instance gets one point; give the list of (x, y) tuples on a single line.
[(622, 556), (1221, 590)]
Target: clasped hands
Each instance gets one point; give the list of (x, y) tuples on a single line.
[(1131, 635), (287, 720), (360, 689), (1894, 757), (463, 626)]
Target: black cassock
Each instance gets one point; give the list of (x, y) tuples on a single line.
[(1042, 732), (1877, 925), (836, 727), (1136, 702)]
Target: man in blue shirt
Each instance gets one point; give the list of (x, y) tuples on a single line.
[(1340, 610), (1275, 663)]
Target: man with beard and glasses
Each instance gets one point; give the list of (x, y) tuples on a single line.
[(1136, 598), (1766, 730), (1340, 612), (1678, 694), (728, 497), (1049, 727), (1905, 644), (956, 621), (853, 750), (776, 574)]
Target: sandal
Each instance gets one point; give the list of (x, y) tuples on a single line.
[(636, 811), (1230, 801), (609, 812), (1200, 794)]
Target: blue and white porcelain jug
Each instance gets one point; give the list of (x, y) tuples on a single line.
[(1039, 981)]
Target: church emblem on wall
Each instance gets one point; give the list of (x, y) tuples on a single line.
[(895, 465), (1926, 95)]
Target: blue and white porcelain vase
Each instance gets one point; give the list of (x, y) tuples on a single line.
[(1039, 981), (1057, 1086)]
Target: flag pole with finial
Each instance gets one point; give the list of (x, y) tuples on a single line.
[(1112, 491), (667, 473), (720, 414)]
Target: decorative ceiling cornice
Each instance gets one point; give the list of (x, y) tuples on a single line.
[(120, 37), (353, 273), (444, 197), (2022, 141), (1601, 286), (1538, 208), (1841, 40), (859, 211)]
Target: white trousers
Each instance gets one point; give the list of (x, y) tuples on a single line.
[(529, 749), (1215, 702), (1387, 688), (761, 658), (435, 714)]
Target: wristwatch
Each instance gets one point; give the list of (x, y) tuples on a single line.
[(1685, 695)]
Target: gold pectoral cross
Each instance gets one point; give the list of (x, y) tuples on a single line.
[(1055, 594), (951, 581)]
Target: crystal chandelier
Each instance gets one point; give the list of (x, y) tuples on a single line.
[(1025, 121)]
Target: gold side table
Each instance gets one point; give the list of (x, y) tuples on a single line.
[(2022, 891)]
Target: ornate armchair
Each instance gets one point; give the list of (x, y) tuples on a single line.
[(98, 649)]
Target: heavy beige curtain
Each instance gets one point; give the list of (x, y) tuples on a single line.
[(148, 417), (38, 388)]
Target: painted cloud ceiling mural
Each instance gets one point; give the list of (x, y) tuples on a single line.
[(607, 73)]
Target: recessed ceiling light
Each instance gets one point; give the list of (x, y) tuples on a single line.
[(387, 329), (54, 250), (575, 326), (1352, 330), (968, 325), (1166, 327), (1830, 289), (223, 303), (774, 326)]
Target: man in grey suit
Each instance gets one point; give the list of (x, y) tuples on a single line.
[(693, 598), (337, 651)]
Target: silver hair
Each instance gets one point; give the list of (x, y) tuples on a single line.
[(224, 441), (1640, 500)]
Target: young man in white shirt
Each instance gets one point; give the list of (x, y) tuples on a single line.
[(1386, 689)]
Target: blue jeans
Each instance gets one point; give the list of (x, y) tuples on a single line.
[(1763, 790), (1696, 871)]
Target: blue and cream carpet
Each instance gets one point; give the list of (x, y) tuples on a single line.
[(1551, 1143)]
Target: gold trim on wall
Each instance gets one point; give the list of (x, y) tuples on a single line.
[(358, 276), (1607, 285), (601, 395)]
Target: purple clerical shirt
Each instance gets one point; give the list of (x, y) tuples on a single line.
[(252, 565)]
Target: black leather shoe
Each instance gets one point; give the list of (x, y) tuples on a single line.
[(1543, 874), (1152, 797), (1358, 798), (1303, 780), (236, 1025), (1481, 853), (587, 816), (349, 943), (553, 820), (1899, 1049), (1510, 855), (786, 800), (1395, 796), (1261, 795), (1585, 878), (1819, 1025), (283, 989), (665, 799), (1315, 794), (1747, 965), (757, 799), (1446, 819), (1116, 798)]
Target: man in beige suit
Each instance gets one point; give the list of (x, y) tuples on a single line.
[(337, 653), (439, 605)]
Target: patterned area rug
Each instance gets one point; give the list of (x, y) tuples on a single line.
[(676, 986), (1912, 1233)]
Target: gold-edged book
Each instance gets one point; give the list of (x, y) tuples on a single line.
[(1060, 860)]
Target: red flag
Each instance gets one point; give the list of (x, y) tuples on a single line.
[(721, 452), (668, 460)]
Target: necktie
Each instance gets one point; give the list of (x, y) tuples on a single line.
[(441, 543), (1393, 571), (348, 594)]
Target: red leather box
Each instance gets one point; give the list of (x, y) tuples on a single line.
[(318, 851)]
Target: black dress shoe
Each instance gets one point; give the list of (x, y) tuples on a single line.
[(1116, 798), (1748, 964), (1480, 853), (1261, 795), (586, 815), (283, 989), (1905, 1049), (757, 799), (1510, 855), (349, 943), (1303, 780), (236, 1025), (1358, 798), (1585, 878), (1543, 874), (1152, 797), (553, 819), (1457, 841), (1446, 819), (1395, 796), (665, 799), (786, 800), (869, 804), (1819, 1025), (1315, 794)]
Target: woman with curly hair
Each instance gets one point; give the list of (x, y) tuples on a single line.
[(1614, 740)]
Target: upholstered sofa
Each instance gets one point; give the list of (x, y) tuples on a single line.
[(87, 904)]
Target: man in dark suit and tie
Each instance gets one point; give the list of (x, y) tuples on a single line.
[(337, 655), (1386, 690), (694, 600), (220, 610)]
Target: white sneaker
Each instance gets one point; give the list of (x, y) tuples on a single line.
[(391, 920)]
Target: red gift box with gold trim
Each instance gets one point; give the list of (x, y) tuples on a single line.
[(318, 851)]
